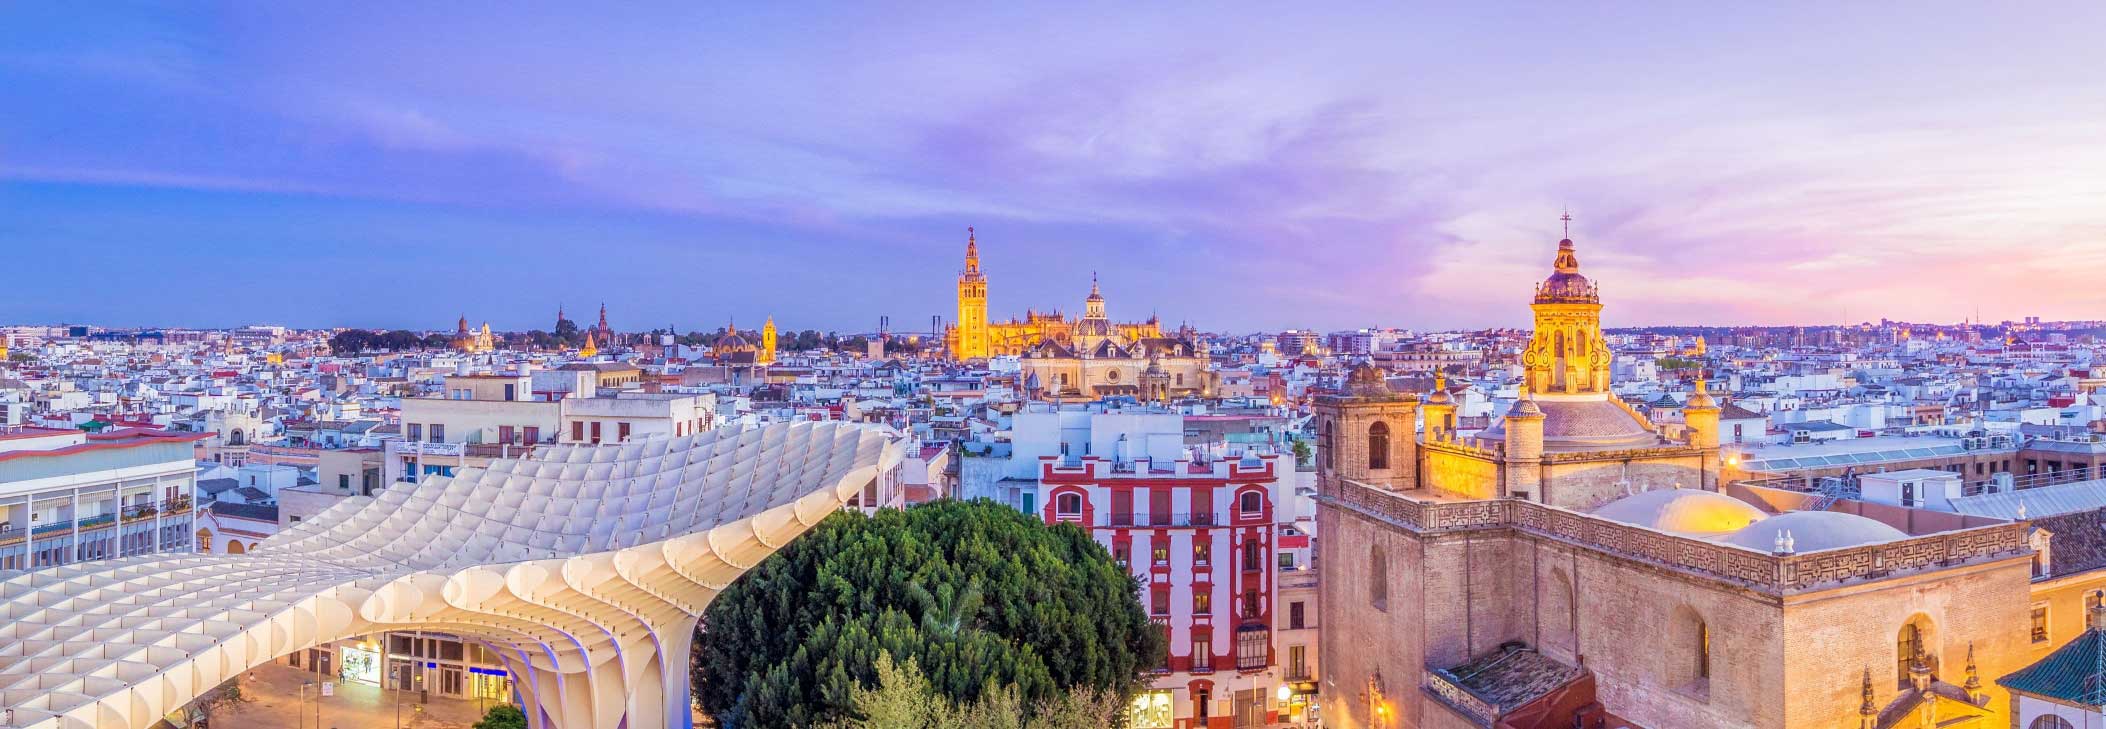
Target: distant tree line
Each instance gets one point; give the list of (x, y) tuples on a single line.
[(568, 336), (355, 341)]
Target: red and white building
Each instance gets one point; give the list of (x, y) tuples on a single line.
[(1204, 540)]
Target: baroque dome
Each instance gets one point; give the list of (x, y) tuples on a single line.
[(1567, 285), (1814, 531), (1690, 512)]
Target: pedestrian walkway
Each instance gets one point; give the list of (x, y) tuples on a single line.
[(273, 700)]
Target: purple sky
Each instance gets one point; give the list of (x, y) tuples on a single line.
[(1222, 163)]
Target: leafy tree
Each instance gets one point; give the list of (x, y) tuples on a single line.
[(978, 597), (1301, 452), (904, 699), (567, 333), (807, 340), (503, 716)]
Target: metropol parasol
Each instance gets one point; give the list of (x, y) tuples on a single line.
[(586, 567)]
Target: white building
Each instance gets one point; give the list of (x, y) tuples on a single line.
[(67, 496)]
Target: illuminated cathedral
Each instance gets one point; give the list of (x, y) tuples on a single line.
[(472, 341), (1576, 565), (974, 337)]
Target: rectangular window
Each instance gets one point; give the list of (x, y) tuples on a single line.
[(438, 432), (504, 434), (1122, 553), (577, 430), (2040, 622), (1202, 602), (1295, 616), (1202, 652), (1286, 560), (416, 432), (1253, 648), (533, 434), (511, 392), (1162, 554), (1201, 551), (343, 481), (621, 431), (1297, 662), (1159, 600), (595, 432)]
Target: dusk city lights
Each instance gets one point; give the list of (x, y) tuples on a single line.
[(667, 365)]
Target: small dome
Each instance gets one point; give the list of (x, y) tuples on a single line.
[(1692, 512), (1813, 531), (1525, 408)]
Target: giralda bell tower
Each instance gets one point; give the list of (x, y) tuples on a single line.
[(972, 305)]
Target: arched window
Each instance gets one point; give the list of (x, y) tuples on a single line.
[(1252, 502), (1916, 638), (2050, 722), (1378, 446), (234, 547), (236, 438), (1689, 652), (1378, 578), (204, 540), (1067, 504)]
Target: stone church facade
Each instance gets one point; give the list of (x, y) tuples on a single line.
[(1572, 562)]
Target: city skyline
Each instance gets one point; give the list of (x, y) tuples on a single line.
[(400, 167)]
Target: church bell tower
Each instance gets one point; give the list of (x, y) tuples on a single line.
[(972, 305)]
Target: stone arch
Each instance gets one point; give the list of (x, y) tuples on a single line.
[(1378, 446), (1916, 635), (1688, 651), (1555, 615)]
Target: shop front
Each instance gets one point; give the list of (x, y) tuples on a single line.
[(359, 664)]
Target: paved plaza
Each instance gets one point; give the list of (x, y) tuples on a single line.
[(274, 702)]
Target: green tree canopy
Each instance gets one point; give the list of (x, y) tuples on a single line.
[(978, 596)]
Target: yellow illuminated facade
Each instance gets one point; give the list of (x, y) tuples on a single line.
[(974, 337), (473, 342), (1567, 354), (766, 355)]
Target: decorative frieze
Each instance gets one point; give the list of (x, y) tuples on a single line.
[(1768, 573)]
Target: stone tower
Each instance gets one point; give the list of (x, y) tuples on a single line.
[(972, 305), (1701, 415), (1367, 433), (1439, 409), (1523, 455), (766, 355), (1567, 354)]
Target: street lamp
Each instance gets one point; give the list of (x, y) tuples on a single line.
[(1285, 693), (300, 712)]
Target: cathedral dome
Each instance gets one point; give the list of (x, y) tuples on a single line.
[(1812, 531), (1567, 285), (1690, 512)]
